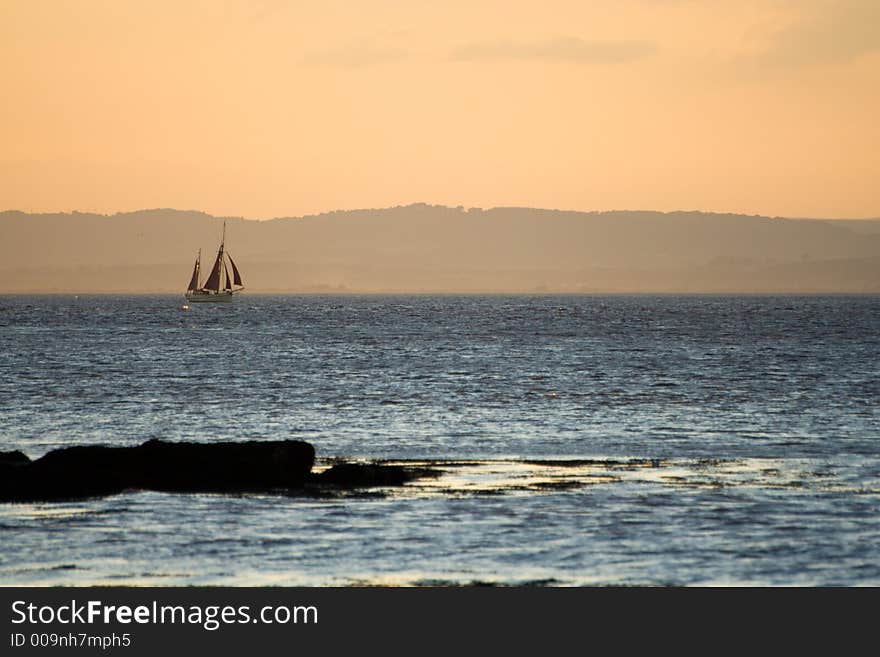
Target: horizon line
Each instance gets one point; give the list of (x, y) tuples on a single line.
[(463, 293), (461, 208)]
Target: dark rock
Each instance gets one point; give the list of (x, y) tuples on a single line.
[(13, 458), (10, 464), (360, 475), (88, 471)]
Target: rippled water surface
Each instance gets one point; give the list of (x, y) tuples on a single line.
[(580, 439)]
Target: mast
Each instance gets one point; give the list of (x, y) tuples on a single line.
[(213, 282)]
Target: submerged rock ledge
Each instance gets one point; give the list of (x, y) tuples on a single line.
[(252, 466)]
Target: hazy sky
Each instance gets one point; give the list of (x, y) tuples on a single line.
[(282, 107)]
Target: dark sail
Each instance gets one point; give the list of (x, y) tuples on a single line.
[(236, 276), (228, 280), (213, 282), (194, 281)]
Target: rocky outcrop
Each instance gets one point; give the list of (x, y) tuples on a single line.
[(89, 471), (13, 458), (364, 475), (254, 466)]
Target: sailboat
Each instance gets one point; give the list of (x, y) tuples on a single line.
[(220, 285)]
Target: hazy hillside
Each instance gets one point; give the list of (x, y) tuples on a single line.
[(435, 248)]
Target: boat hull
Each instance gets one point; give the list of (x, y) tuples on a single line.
[(208, 297)]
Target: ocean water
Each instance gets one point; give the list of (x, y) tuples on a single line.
[(582, 440)]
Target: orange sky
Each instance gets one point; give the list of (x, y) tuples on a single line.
[(280, 107)]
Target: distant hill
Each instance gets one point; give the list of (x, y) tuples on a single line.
[(427, 248)]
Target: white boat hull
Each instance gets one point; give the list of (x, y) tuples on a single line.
[(212, 297)]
